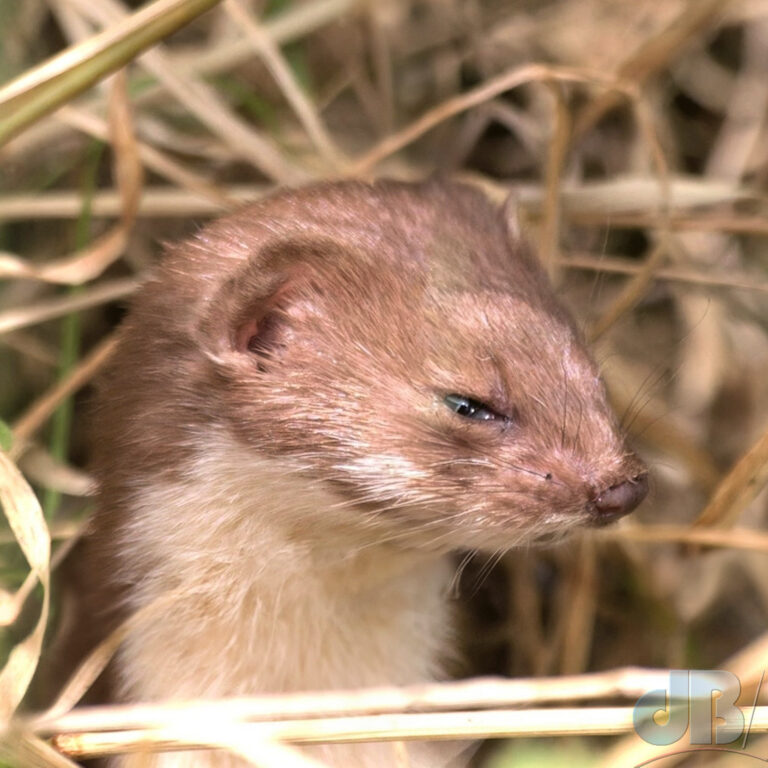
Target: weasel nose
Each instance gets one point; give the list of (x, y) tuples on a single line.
[(621, 499)]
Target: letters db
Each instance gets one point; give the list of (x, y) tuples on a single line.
[(703, 699)]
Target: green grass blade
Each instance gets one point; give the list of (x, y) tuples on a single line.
[(44, 88)]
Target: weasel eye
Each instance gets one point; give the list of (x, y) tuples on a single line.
[(471, 409)]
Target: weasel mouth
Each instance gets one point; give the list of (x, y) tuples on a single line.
[(618, 500)]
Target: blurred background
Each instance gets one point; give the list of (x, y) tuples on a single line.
[(633, 136)]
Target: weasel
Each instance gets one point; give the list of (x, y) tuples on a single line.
[(314, 402)]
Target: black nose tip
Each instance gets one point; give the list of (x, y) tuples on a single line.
[(621, 499)]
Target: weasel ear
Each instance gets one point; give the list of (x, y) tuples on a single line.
[(251, 312)]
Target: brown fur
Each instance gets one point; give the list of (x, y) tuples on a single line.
[(302, 348)]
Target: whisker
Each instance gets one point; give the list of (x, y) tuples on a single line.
[(454, 587), (565, 407), (578, 425), (487, 568), (647, 386)]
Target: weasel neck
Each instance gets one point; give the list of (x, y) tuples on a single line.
[(267, 595)]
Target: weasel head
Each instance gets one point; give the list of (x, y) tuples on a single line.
[(398, 344)]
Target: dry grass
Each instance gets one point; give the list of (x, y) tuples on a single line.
[(633, 134)]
